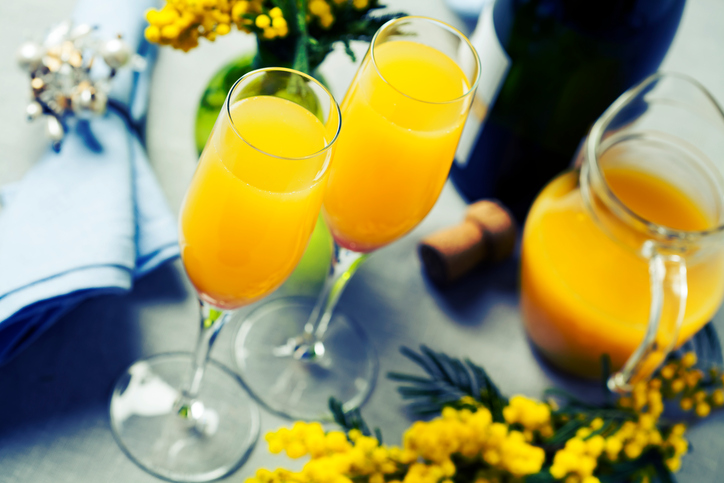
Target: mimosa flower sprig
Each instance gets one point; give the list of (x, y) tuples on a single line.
[(293, 33), (480, 436)]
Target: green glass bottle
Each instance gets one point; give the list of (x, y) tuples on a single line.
[(554, 66)]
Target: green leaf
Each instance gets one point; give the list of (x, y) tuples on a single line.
[(488, 392), (448, 380), (543, 476), (351, 419), (567, 431), (348, 49), (301, 54), (650, 463), (567, 398), (663, 474)]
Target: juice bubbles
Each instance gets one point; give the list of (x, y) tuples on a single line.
[(254, 200), (584, 294), (402, 119)]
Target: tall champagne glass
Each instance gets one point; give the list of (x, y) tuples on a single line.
[(403, 117), (245, 223)]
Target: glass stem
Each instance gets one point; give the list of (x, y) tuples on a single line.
[(344, 264), (212, 320), (191, 410)]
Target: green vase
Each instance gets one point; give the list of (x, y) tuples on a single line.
[(215, 94), (308, 277)]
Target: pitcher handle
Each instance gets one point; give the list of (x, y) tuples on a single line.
[(667, 274)]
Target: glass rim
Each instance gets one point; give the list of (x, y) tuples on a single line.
[(596, 138), (445, 26), (337, 110)]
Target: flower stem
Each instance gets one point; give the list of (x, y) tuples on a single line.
[(301, 55)]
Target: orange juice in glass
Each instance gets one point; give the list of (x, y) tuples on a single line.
[(402, 118), (395, 151), (624, 257), (245, 222), (235, 255)]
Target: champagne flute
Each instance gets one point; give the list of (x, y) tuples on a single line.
[(403, 117), (245, 222)]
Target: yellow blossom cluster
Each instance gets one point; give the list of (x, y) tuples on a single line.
[(577, 461), (465, 441), (580, 457), (645, 398), (474, 435), (633, 438), (272, 24), (677, 379), (426, 455), (323, 10), (180, 23), (334, 457), (534, 416), (683, 380)]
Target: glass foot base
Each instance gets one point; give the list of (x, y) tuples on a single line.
[(213, 439), (297, 387)]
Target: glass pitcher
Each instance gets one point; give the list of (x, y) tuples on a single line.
[(624, 255)]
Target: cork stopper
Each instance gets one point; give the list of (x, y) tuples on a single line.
[(487, 234), (498, 225)]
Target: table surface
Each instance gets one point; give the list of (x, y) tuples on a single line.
[(53, 397)]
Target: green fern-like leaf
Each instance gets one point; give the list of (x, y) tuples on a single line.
[(542, 477), (650, 464), (352, 419), (448, 380)]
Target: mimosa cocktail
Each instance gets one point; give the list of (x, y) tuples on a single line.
[(235, 255), (245, 222), (394, 152), (402, 118)]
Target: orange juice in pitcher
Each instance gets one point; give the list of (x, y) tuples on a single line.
[(624, 256)]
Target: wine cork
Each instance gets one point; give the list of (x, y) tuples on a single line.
[(487, 234), (498, 225)]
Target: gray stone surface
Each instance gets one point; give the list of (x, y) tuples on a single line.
[(53, 397)]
